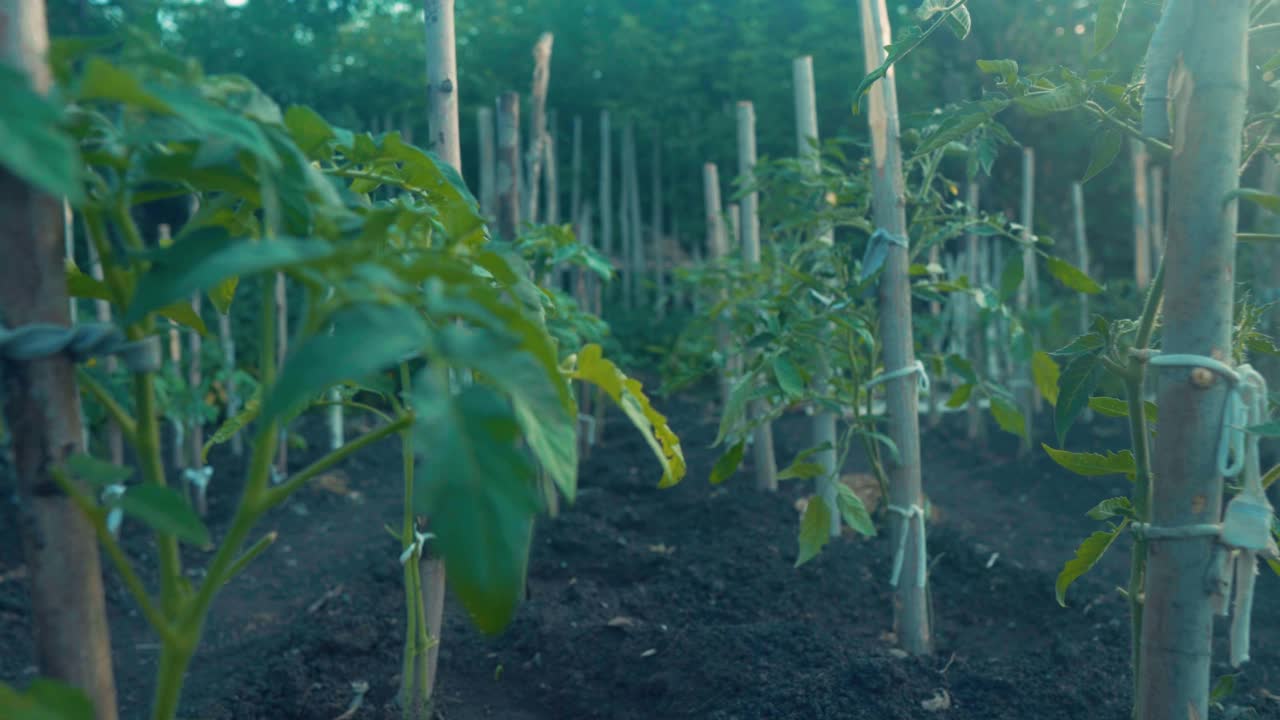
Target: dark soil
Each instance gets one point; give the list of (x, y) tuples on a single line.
[(682, 603)]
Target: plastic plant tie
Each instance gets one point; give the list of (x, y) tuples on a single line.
[(1231, 443), (415, 548), (915, 512), (199, 477), (79, 342), (111, 495), (276, 476), (916, 367), (1246, 525)]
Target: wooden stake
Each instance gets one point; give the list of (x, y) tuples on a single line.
[(717, 250), (282, 351), (656, 241), (1141, 216), (823, 428), (1210, 100), (606, 191), (911, 607), (42, 412), (508, 166), (538, 122), (765, 463), (488, 162), (1026, 294), (575, 193), (442, 74), (977, 278)]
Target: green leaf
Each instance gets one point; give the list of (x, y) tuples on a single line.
[(1008, 417), (1045, 372), (629, 396), (1270, 429), (1087, 555), (801, 470), (366, 339), (1011, 276), (1072, 277), (1264, 200), (1076, 384), (1272, 65), (960, 22), (206, 257), (548, 425), (728, 463), (1224, 688), (960, 396), (735, 407), (103, 81), (815, 529), (1006, 69), (962, 122), (1117, 408), (854, 511), (1104, 152), (459, 212), (1109, 14), (788, 376), (165, 511), (95, 471), (478, 489), (80, 285), (1109, 406), (45, 699), (235, 424), (1094, 464), (1057, 99), (1112, 507), (310, 131), (32, 145), (183, 314)]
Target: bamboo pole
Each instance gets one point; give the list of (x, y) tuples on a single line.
[(488, 162), (1141, 217), (636, 258), (1027, 394), (1210, 102), (977, 427), (538, 122), (717, 250), (508, 186), (42, 412), (823, 427), (765, 462), (911, 607), (228, 342)]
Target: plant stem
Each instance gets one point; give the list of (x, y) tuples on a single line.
[(175, 658), (128, 427), (280, 493)]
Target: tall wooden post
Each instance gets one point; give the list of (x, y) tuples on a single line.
[(606, 186), (656, 241), (42, 411), (575, 193), (538, 122), (911, 607)]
